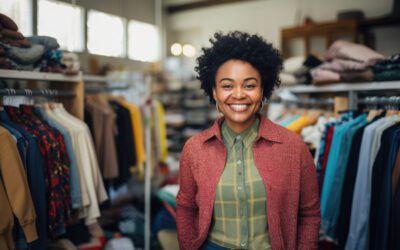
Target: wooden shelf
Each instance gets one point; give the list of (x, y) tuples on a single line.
[(38, 76), (73, 84)]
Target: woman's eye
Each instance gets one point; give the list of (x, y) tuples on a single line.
[(250, 86), (226, 86)]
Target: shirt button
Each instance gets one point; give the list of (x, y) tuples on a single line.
[(243, 244), (239, 162), (238, 137), (239, 187)]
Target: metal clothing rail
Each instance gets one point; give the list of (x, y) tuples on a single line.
[(95, 90), (386, 102), (305, 101), (38, 92)]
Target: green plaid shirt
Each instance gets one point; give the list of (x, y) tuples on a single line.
[(240, 215)]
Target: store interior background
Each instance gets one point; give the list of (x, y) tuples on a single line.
[(171, 78)]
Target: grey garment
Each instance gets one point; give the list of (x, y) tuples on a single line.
[(359, 222), (24, 55), (48, 42)]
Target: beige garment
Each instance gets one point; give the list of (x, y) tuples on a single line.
[(15, 196), (86, 155), (103, 117), (74, 134)]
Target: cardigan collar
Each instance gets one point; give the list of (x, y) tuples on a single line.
[(267, 131)]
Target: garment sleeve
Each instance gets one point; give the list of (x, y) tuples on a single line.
[(309, 218), (16, 187), (186, 208)]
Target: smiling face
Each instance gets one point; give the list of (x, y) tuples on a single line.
[(238, 92)]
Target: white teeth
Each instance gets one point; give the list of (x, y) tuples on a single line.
[(239, 107)]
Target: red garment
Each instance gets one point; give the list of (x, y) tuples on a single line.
[(328, 143), (289, 175)]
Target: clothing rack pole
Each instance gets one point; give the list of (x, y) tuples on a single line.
[(40, 92), (147, 180), (97, 90), (309, 101)]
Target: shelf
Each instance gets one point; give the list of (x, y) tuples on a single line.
[(39, 76), (343, 87), (94, 78)]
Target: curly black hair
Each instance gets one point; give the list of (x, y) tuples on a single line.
[(243, 46)]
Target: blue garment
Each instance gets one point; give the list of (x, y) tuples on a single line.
[(395, 239), (48, 42), (35, 176), (335, 173), (208, 245), (163, 221), (381, 191), (75, 190), (359, 219), (289, 120)]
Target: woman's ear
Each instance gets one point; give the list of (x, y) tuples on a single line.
[(214, 94)]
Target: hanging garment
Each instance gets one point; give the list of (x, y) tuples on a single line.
[(104, 130), (138, 132), (14, 194), (87, 156), (160, 130), (124, 142), (56, 167), (35, 175), (381, 188)]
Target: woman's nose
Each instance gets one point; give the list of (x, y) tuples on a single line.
[(238, 93)]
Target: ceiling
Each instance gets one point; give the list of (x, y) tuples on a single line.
[(174, 6)]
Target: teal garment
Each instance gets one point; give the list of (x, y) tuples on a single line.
[(335, 171), (167, 197), (289, 120), (75, 189)]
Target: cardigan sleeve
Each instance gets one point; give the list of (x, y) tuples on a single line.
[(186, 208), (309, 218), (15, 185)]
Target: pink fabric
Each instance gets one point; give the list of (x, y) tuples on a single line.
[(342, 65), (288, 172), (348, 50), (321, 76)]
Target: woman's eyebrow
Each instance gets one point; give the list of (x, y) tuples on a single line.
[(226, 79), (250, 78)]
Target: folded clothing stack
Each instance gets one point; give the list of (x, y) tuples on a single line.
[(36, 53), (296, 70), (346, 62)]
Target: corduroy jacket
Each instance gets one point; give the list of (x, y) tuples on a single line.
[(289, 175)]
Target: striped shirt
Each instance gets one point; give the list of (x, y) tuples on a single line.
[(240, 215)]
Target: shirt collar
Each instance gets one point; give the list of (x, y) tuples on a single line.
[(230, 137), (267, 130)]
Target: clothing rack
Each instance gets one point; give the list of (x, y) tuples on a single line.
[(97, 90), (305, 101), (40, 92), (376, 100)]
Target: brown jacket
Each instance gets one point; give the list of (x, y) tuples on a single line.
[(288, 172), (15, 197)]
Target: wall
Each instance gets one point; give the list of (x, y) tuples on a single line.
[(269, 16), (140, 10)]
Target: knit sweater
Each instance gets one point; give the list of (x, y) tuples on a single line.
[(289, 175)]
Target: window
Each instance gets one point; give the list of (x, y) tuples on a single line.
[(106, 34), (143, 42), (62, 21), (20, 11)]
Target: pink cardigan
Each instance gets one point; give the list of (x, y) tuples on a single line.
[(288, 172)]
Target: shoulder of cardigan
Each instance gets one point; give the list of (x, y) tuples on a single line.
[(267, 131)]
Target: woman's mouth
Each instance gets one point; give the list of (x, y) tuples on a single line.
[(239, 107)]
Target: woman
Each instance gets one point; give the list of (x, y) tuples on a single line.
[(245, 183)]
